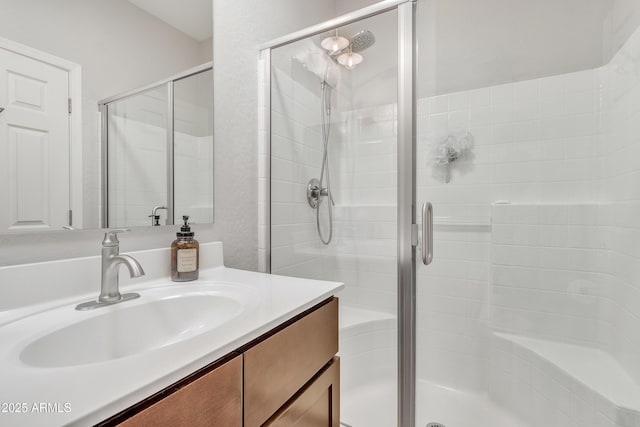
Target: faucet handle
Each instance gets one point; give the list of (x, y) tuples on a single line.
[(111, 236)]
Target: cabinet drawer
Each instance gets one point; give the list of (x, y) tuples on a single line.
[(276, 368), (316, 405), (214, 399)]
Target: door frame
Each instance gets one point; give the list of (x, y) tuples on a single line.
[(75, 120), (407, 223), (407, 227)]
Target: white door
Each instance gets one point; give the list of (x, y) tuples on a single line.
[(34, 144)]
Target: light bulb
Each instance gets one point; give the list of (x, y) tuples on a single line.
[(334, 44), (350, 60)]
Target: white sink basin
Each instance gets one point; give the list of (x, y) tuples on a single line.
[(160, 317)]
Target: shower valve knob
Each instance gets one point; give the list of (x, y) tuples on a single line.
[(314, 193)]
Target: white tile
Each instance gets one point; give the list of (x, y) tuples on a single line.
[(552, 107), (581, 81), (438, 104), (552, 86), (503, 94), (459, 101), (459, 119), (502, 113), (480, 116), (480, 98), (581, 102), (527, 90)]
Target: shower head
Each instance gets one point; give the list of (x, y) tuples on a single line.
[(362, 40)]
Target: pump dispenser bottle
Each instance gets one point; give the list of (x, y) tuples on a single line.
[(185, 254)]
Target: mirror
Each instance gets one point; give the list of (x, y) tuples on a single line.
[(157, 152), (58, 60)]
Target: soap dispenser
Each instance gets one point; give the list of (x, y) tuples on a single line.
[(185, 254)]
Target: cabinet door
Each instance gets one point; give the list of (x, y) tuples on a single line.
[(214, 399), (276, 368), (316, 405)]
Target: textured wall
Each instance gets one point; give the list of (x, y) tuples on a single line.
[(239, 27)]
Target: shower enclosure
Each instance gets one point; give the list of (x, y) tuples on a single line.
[(481, 200)]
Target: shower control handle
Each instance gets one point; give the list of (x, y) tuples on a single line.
[(313, 193), (427, 233)]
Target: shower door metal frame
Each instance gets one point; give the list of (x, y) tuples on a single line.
[(407, 226)]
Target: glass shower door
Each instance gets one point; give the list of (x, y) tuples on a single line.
[(472, 161), (334, 194), (527, 150)]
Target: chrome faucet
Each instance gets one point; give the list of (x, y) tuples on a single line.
[(155, 218), (111, 261)]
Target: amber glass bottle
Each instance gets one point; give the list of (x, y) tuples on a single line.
[(185, 254)]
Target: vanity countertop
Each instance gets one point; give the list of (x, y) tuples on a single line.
[(91, 392)]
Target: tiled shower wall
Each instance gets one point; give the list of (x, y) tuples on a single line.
[(566, 266), (571, 272), (139, 188), (549, 273), (296, 153), (296, 157), (620, 169), (362, 252), (534, 141), (137, 141)]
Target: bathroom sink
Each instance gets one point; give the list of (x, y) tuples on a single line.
[(160, 317)]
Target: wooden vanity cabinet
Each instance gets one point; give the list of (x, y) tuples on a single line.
[(277, 367), (215, 400), (289, 376), (317, 404)]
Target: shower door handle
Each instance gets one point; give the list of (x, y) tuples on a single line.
[(427, 233)]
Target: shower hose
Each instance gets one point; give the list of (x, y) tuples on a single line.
[(324, 171)]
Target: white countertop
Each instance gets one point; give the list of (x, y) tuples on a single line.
[(89, 393)]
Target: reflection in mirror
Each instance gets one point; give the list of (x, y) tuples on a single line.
[(105, 48), (35, 139), (193, 148), (159, 145), (136, 143)]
